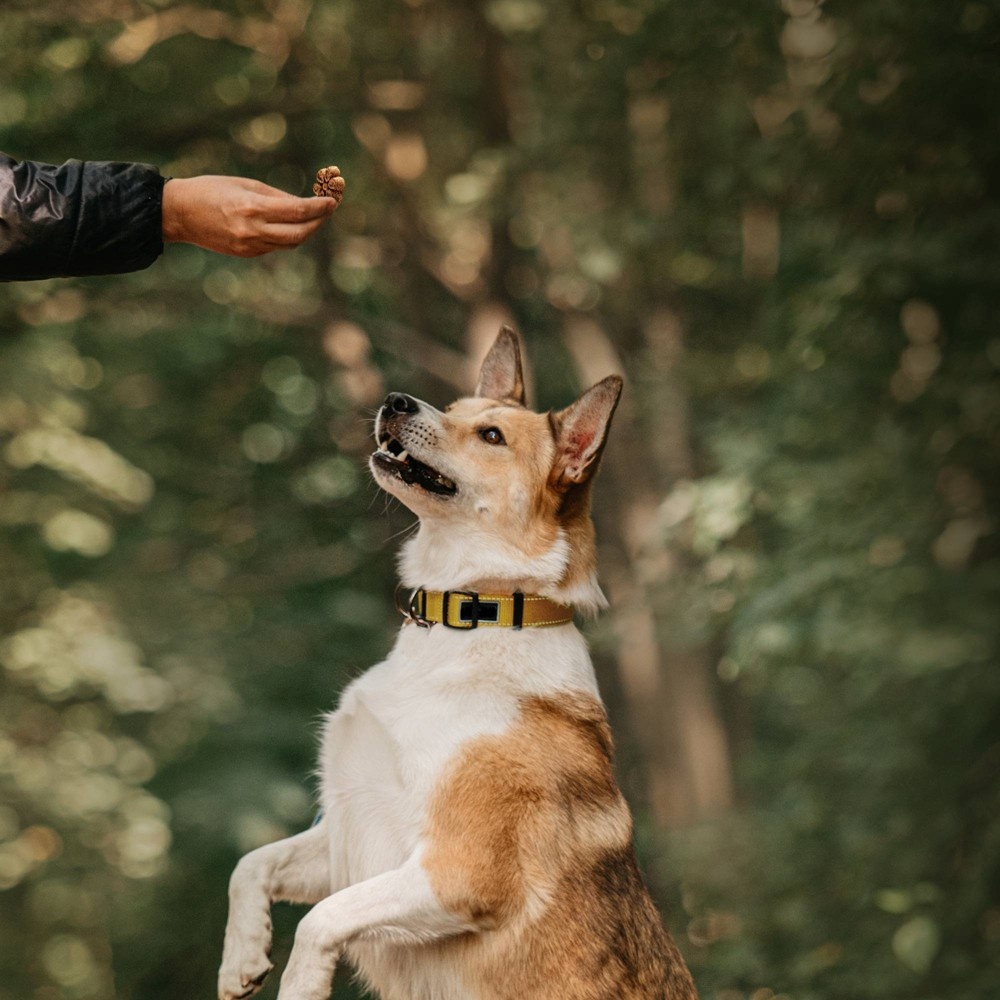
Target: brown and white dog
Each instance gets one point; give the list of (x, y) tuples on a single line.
[(474, 844)]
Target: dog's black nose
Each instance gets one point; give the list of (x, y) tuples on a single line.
[(399, 402)]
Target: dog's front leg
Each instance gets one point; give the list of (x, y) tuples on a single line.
[(398, 906), (296, 870)]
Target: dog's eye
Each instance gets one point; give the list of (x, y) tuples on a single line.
[(492, 435)]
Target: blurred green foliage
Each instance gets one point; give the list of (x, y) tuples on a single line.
[(782, 221)]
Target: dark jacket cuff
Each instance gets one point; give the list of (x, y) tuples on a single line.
[(80, 218), (120, 224)]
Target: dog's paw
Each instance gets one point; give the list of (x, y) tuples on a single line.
[(306, 982), (309, 973), (242, 975)]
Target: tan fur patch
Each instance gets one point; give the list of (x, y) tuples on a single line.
[(530, 836), (527, 461)]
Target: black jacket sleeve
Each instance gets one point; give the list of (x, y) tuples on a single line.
[(80, 218)]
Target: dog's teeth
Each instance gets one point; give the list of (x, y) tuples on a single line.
[(403, 455)]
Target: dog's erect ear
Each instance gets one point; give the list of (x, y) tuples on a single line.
[(501, 376), (581, 430)]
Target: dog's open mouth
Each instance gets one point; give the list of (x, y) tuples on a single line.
[(394, 458)]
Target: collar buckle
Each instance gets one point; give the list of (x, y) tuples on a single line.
[(475, 614), (445, 600)]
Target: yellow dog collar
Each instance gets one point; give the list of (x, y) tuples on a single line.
[(466, 610)]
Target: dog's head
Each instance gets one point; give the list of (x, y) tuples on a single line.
[(502, 493)]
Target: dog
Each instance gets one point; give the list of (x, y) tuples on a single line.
[(473, 843)]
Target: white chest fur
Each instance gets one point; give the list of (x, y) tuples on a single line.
[(400, 724)]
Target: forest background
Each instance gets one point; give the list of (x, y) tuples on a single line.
[(780, 221)]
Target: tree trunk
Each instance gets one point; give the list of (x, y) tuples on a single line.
[(669, 692)]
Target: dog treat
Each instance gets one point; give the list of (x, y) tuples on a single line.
[(329, 184)]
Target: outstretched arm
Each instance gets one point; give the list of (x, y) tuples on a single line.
[(86, 218)]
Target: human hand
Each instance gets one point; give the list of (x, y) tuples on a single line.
[(239, 216)]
